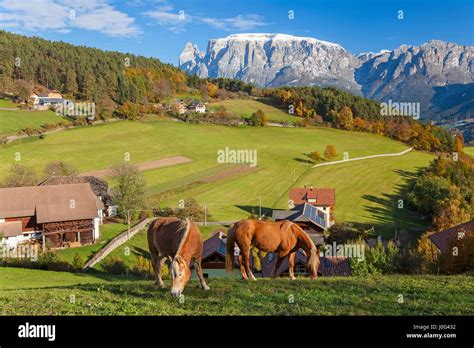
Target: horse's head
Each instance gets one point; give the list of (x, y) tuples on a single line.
[(312, 263), (180, 274)]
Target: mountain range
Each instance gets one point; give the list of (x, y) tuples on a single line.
[(439, 75)]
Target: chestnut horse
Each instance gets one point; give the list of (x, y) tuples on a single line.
[(282, 237), (176, 242)]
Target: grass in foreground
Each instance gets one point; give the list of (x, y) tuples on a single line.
[(33, 292)]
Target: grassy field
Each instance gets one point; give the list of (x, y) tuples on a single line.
[(107, 232), (12, 121), (7, 103), (362, 188), (34, 292), (469, 151), (246, 107)]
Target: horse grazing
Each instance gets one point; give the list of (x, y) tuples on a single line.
[(282, 237), (176, 242)]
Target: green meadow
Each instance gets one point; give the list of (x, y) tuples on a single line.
[(246, 107), (12, 121), (469, 150), (365, 190), (35, 292)]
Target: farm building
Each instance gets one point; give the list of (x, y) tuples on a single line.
[(98, 186), (57, 215), (443, 240), (313, 211), (48, 98), (213, 262), (213, 257), (198, 107), (328, 266)]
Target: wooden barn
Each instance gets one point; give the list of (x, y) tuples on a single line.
[(57, 215), (213, 258), (98, 186)]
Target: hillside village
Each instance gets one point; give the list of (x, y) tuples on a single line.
[(165, 139)]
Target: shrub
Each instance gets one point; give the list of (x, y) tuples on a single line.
[(258, 119), (315, 157), (50, 260), (342, 233), (77, 262), (143, 268), (115, 265)]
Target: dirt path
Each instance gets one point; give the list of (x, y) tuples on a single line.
[(164, 162), (229, 172), (365, 157)]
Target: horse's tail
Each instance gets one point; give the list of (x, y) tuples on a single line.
[(229, 256)]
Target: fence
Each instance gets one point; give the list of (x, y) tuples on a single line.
[(114, 243)]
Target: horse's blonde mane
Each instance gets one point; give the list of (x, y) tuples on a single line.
[(187, 225)]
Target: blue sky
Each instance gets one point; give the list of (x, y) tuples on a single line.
[(161, 28)]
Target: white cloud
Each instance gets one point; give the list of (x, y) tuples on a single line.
[(175, 20), (63, 15), (240, 22)]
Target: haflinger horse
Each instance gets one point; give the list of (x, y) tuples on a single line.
[(176, 242), (282, 237)]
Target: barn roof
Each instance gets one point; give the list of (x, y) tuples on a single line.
[(11, 228), (442, 239), (328, 265), (323, 196), (98, 186), (50, 203)]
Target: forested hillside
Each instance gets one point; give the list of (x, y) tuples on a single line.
[(84, 73)]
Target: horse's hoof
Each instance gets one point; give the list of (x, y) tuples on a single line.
[(206, 288)]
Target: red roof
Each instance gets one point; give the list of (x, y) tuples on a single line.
[(323, 196)]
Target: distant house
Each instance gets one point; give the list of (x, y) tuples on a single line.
[(182, 108), (198, 107), (56, 215), (322, 198), (443, 240), (98, 186), (328, 266), (312, 210), (48, 98)]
